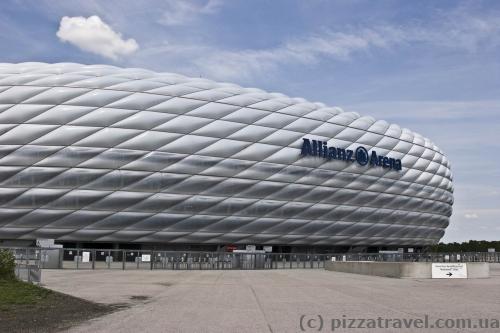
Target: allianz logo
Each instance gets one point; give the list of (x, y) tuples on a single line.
[(360, 155)]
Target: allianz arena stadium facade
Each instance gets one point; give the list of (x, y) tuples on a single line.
[(95, 153)]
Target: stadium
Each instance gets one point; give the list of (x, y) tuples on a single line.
[(96, 155)]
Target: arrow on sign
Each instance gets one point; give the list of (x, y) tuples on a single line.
[(449, 274)]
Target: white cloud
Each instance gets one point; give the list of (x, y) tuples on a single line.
[(180, 12), (427, 110), (456, 30), (307, 50), (471, 216), (93, 35), (469, 35), (460, 30)]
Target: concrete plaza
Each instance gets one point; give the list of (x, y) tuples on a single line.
[(271, 300)]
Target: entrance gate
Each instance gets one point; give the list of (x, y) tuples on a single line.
[(176, 260)]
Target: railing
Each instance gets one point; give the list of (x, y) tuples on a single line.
[(30, 260)]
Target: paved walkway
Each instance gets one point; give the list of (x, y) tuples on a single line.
[(270, 301)]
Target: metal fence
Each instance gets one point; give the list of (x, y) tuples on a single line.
[(178, 260), (27, 264), (29, 261), (493, 257)]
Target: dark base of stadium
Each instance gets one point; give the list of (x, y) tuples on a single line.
[(221, 247)]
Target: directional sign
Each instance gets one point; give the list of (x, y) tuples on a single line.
[(449, 271)]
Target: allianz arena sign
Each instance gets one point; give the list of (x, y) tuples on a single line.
[(361, 155)]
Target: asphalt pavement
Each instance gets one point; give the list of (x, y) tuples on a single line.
[(274, 301)]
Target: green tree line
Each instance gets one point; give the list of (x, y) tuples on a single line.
[(470, 246)]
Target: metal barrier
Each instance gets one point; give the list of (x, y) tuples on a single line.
[(27, 264), (32, 259), (178, 260), (491, 257)]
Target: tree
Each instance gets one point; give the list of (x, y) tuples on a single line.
[(470, 246), (7, 265)]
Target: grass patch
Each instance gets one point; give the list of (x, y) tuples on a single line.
[(14, 292), (25, 307)]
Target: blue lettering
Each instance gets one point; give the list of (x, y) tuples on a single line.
[(332, 153), (349, 155), (374, 159), (315, 148), (341, 154), (362, 156), (385, 162), (306, 147)]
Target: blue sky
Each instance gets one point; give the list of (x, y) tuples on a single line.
[(431, 66)]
